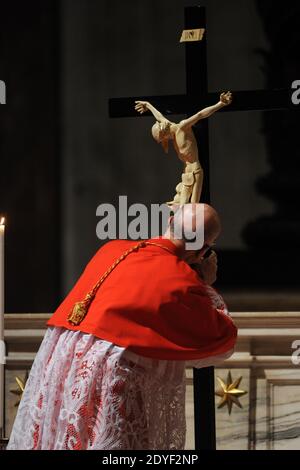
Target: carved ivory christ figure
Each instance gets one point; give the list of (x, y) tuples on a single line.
[(185, 145)]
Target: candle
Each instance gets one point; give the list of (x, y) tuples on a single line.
[(2, 347), (2, 232)]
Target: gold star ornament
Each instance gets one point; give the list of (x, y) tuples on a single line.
[(230, 392), (21, 386)]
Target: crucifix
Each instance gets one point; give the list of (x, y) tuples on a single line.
[(196, 98)]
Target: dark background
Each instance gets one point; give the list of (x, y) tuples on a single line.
[(61, 156)]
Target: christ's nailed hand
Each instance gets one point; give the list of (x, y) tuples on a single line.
[(141, 106), (226, 98)]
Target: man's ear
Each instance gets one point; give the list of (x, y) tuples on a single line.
[(192, 257), (189, 257)]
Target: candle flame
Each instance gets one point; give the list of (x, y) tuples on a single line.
[(2, 221)]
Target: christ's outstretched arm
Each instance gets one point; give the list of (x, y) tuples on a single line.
[(225, 100), (143, 106)]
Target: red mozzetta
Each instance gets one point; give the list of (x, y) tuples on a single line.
[(152, 303)]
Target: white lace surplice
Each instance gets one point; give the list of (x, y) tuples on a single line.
[(86, 393)]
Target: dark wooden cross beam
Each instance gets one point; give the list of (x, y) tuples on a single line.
[(250, 100), (197, 97)]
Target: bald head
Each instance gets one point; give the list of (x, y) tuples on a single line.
[(195, 220), (212, 224)]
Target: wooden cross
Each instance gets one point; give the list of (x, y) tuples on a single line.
[(196, 98)]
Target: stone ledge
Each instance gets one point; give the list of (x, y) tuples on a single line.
[(272, 319), (261, 334)]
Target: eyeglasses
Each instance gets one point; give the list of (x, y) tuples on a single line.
[(208, 250), (208, 253)]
